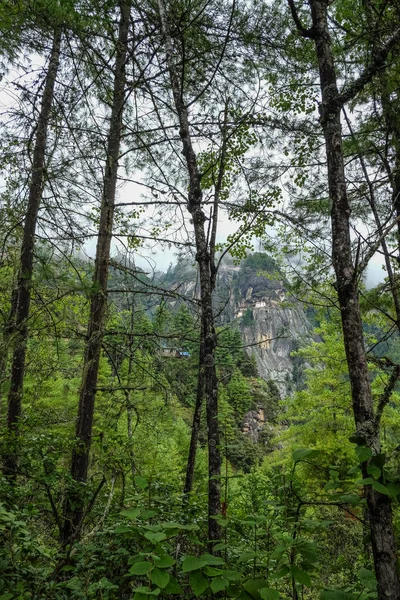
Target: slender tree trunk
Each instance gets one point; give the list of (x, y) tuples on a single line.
[(195, 424), (207, 279), (74, 504), (379, 506), (23, 291), (128, 391), (5, 346)]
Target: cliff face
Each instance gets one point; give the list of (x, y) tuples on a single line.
[(274, 332), (253, 297)]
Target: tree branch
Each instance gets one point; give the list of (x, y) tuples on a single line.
[(378, 62), (385, 396), (307, 33)]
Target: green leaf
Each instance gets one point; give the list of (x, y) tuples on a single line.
[(363, 453), (284, 570), (123, 529), (146, 591), (173, 587), (211, 571), (354, 470), (198, 582), (300, 576), (233, 591), (159, 578), (308, 551), (245, 556), (140, 568), (253, 587), (156, 537), (153, 527), (218, 584), (269, 594), (131, 513), (350, 499), (368, 579), (380, 488), (222, 522), (331, 485), (303, 453), (220, 546), (192, 563), (374, 471), (366, 481), (189, 527), (393, 489), (164, 562), (141, 482), (278, 552), (136, 558), (249, 521), (209, 559), (149, 514)]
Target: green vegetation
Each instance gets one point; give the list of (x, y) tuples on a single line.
[(228, 429), (284, 510)]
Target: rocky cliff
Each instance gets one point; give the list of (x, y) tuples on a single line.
[(253, 297), (276, 330)]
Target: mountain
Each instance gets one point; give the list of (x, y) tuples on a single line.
[(253, 297)]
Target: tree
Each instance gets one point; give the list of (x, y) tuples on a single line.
[(23, 291), (73, 511), (379, 505), (205, 256)]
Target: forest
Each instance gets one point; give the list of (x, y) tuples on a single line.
[(226, 426)]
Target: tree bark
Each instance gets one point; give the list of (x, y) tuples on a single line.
[(128, 391), (379, 506), (5, 346), (195, 424), (23, 290), (207, 282), (74, 504)]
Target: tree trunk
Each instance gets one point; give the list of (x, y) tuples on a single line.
[(195, 424), (128, 391), (379, 506), (207, 279), (5, 346), (23, 290), (73, 509)]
